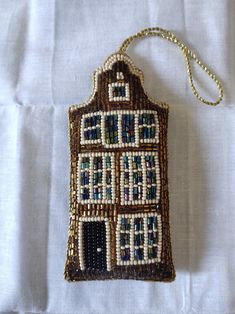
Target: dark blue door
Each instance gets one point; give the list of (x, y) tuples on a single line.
[(94, 241)]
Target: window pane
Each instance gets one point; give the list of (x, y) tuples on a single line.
[(119, 91), (108, 162), (137, 193), (150, 161), (85, 194), (128, 128), (151, 178), (85, 177), (125, 239), (92, 121), (126, 163), (111, 129), (138, 238), (147, 132), (137, 177), (97, 192), (97, 163), (92, 128), (108, 177), (146, 118), (147, 126), (136, 162), (109, 193), (127, 193), (92, 134), (98, 177), (152, 237)]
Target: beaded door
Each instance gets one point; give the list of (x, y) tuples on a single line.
[(119, 215)]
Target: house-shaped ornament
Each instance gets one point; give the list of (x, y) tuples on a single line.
[(119, 221)]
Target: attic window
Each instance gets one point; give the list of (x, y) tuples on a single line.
[(119, 91)]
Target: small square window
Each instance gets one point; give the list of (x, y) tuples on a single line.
[(119, 91)]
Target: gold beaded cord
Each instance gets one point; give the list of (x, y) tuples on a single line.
[(188, 54), (119, 200)]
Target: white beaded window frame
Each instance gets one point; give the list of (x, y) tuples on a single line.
[(131, 185), (83, 129), (80, 240), (91, 200), (119, 113), (156, 125), (119, 98), (146, 260)]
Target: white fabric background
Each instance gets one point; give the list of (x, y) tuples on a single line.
[(48, 51)]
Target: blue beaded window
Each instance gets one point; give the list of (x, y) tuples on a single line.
[(152, 237), (92, 129), (119, 91), (128, 128), (137, 168), (139, 238), (109, 178), (111, 129), (120, 128), (140, 182), (85, 178), (96, 179), (125, 230), (150, 177), (147, 127)]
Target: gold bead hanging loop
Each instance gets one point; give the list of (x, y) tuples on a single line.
[(188, 54)]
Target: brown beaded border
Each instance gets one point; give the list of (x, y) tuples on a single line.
[(99, 101)]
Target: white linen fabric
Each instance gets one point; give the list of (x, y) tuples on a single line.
[(48, 52)]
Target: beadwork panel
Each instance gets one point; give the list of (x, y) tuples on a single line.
[(119, 220), (48, 51)]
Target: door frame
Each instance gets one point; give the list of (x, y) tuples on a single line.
[(80, 239)]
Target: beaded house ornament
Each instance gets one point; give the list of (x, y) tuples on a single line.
[(119, 202)]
